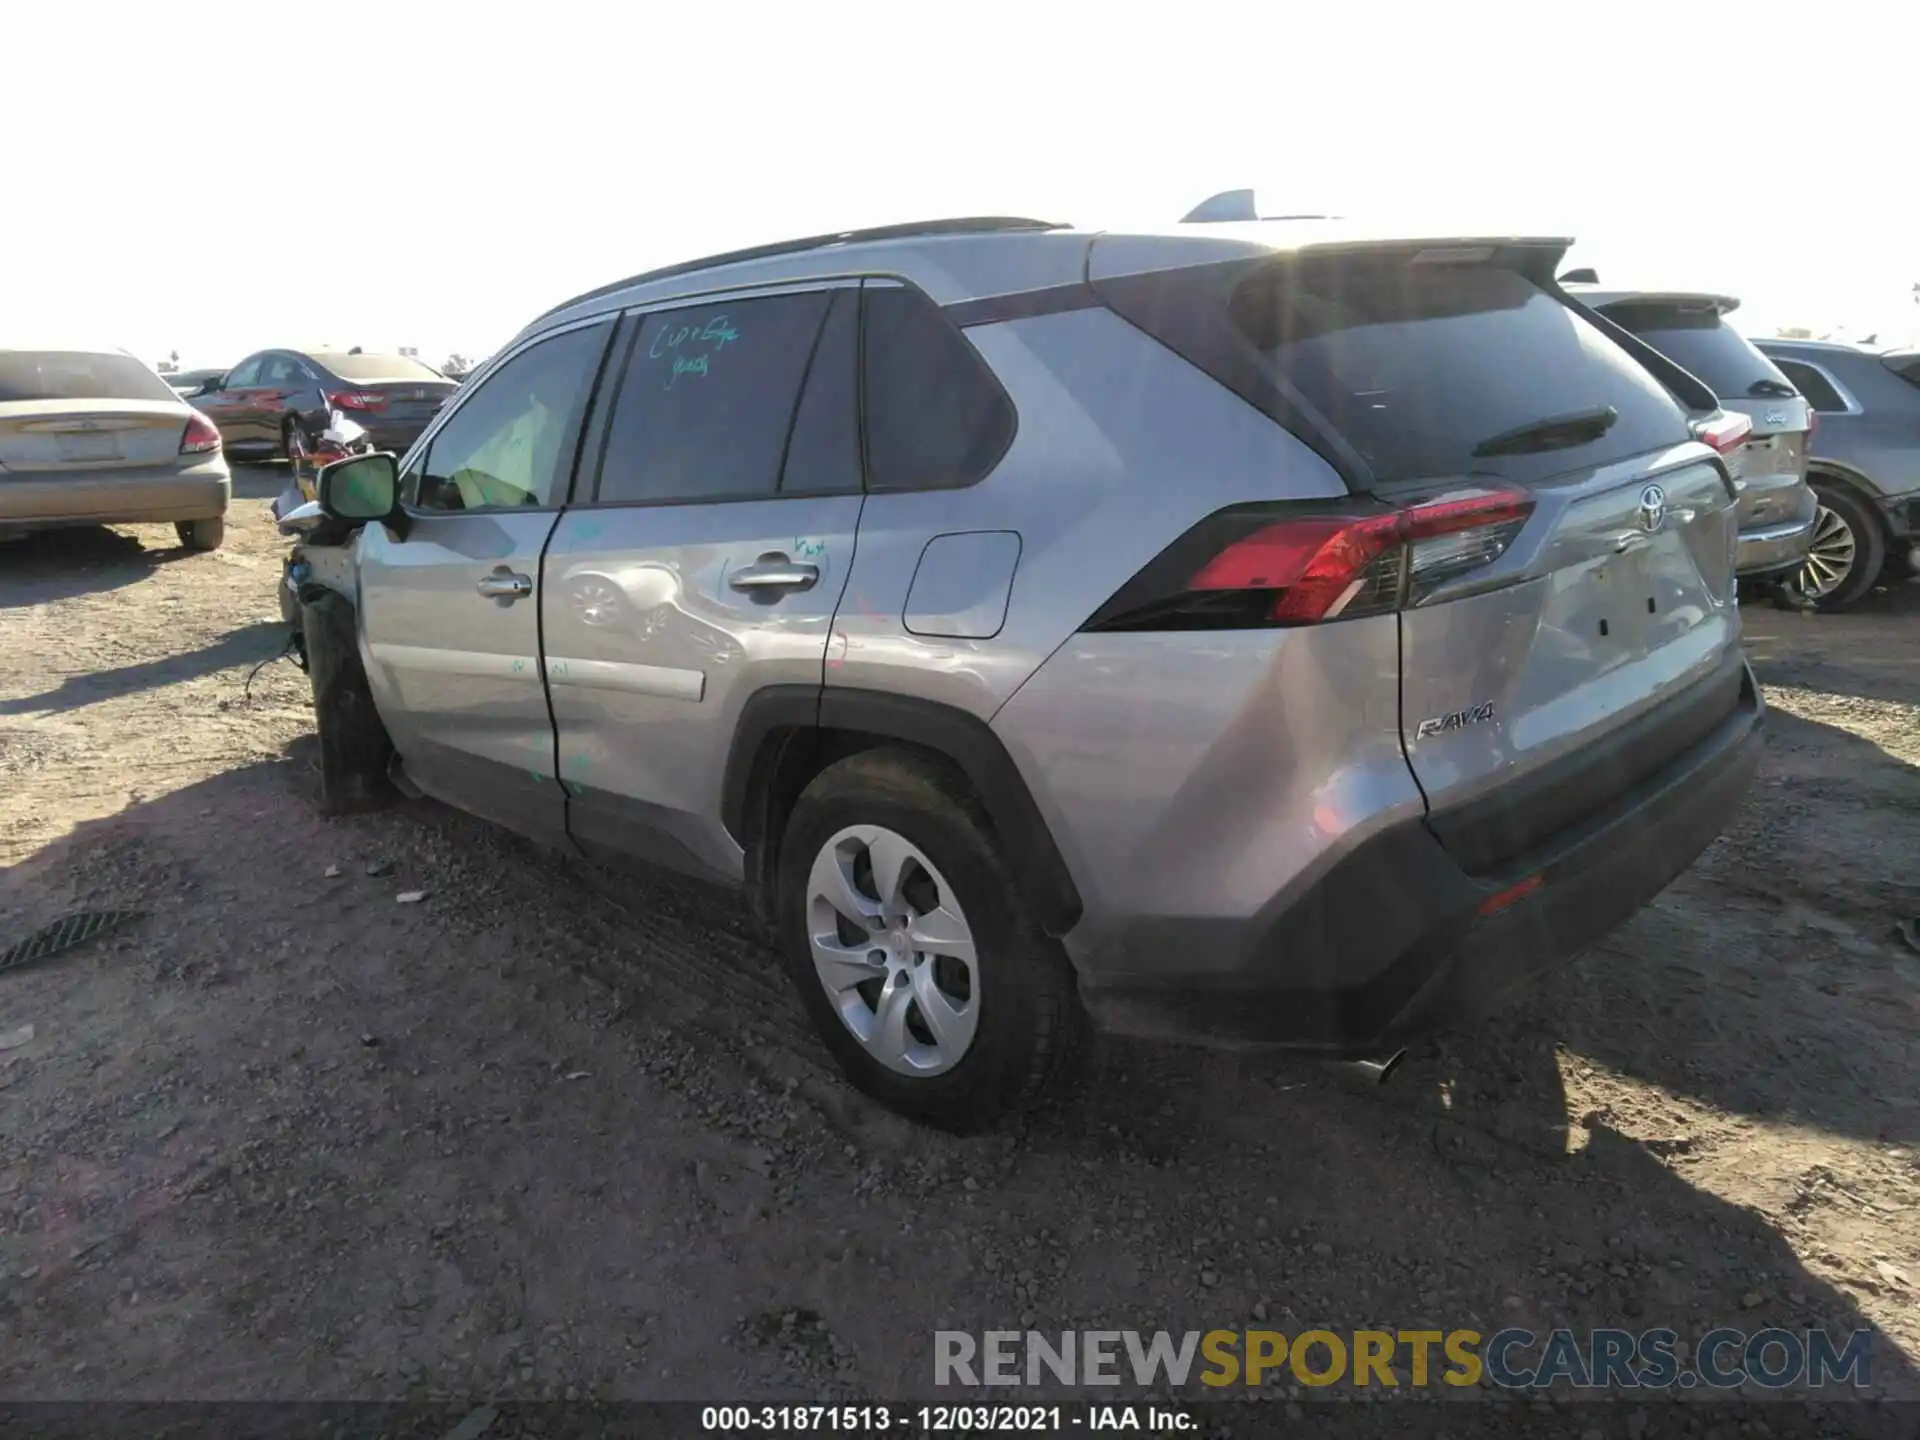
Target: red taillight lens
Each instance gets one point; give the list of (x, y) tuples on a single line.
[(1259, 566), (1725, 433), (201, 436), (358, 400)]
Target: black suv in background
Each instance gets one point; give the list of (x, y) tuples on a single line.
[(277, 399), (1865, 466)]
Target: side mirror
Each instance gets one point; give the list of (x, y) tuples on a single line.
[(362, 488), (213, 386)]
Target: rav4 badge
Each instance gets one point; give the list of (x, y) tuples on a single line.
[(1454, 720)]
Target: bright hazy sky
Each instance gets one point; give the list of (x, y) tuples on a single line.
[(215, 177)]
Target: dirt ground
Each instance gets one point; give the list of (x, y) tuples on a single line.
[(547, 1134)]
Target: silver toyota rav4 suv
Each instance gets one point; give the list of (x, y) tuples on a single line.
[(1257, 634)]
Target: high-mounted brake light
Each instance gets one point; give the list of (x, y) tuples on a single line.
[(358, 400), (1261, 566), (201, 437), (1725, 433)]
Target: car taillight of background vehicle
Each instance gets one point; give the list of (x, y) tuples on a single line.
[(358, 400), (1725, 434), (201, 437), (1260, 566)]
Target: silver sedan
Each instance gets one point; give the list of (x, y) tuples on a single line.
[(96, 437)]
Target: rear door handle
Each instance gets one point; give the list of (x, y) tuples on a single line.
[(504, 584), (774, 574)]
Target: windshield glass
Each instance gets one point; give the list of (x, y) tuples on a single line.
[(77, 375), (1417, 366), (375, 367), (1699, 340)]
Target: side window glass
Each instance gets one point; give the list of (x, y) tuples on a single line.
[(244, 374), (278, 370), (936, 416), (823, 453), (1812, 384), (507, 446), (707, 400)]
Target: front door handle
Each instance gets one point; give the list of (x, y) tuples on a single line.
[(504, 584), (774, 573)]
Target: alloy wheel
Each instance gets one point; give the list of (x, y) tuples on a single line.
[(1830, 556), (893, 950)]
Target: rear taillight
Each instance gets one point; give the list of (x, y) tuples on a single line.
[(358, 400), (1725, 433), (201, 437), (1262, 565)]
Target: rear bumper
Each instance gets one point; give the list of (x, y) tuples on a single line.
[(1403, 917), (1775, 550), (199, 493), (394, 435)]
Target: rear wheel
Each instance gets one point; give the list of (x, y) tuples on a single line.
[(1845, 557), (905, 932), (201, 534)]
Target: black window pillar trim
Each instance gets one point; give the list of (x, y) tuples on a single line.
[(1686, 387), (782, 714)]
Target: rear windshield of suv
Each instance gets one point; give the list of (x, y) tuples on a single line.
[(1702, 342), (376, 367), (1418, 366), (1905, 364), (77, 375)]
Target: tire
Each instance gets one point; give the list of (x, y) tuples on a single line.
[(201, 534), (1014, 1005), (1848, 553), (355, 751)]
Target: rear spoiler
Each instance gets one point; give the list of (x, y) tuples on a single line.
[(1684, 300), (1681, 300)]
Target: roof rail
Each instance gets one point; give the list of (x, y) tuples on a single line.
[(960, 225)]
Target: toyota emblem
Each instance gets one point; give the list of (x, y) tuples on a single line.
[(1653, 508)]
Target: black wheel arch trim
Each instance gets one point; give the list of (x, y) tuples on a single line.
[(782, 714), (1838, 472)]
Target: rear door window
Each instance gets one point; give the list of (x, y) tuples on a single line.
[(708, 400), (936, 417), (281, 371), (1420, 366), (823, 452), (1810, 382), (77, 375), (1697, 338)]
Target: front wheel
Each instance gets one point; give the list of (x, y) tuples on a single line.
[(201, 534), (910, 943)]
